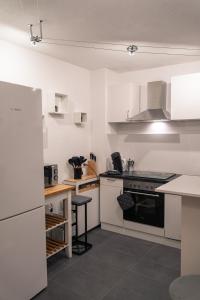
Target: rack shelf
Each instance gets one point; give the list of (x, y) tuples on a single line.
[(53, 221), (53, 247)]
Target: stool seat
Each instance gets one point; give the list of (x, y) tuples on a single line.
[(185, 288), (80, 200)]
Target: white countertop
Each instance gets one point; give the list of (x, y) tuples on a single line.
[(184, 186)]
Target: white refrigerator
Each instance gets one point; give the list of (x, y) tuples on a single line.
[(23, 271)]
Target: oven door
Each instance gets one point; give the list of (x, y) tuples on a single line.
[(148, 208)]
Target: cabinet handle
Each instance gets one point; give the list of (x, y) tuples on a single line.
[(111, 179), (127, 115), (144, 194)]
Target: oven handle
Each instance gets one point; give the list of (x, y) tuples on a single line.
[(144, 194)]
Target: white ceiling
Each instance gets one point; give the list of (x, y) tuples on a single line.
[(171, 22)]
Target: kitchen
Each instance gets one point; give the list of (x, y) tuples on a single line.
[(167, 147)]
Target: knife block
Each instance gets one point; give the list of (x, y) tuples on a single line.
[(91, 167)]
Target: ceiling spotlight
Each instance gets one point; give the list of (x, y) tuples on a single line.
[(35, 38), (132, 49)]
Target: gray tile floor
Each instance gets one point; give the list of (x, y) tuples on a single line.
[(116, 268)]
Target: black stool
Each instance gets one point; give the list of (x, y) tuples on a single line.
[(80, 247)]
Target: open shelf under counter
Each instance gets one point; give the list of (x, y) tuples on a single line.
[(88, 187), (53, 221), (58, 222), (53, 247)]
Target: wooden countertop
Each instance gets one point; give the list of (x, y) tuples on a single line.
[(184, 186), (87, 177), (59, 188)]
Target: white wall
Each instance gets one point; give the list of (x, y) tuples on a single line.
[(176, 149), (62, 138), (179, 152)]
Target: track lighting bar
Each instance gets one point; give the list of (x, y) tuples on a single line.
[(131, 49)]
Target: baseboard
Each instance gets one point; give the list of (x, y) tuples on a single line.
[(91, 229), (142, 235)]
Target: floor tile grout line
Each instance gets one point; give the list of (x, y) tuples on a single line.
[(124, 271), (129, 254), (65, 267), (72, 263), (156, 281), (113, 265), (114, 285), (155, 246)]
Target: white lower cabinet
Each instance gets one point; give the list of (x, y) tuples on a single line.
[(173, 216), (110, 211), (92, 211)]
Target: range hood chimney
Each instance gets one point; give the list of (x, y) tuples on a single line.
[(156, 103)]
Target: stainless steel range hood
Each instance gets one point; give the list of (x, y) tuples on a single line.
[(156, 103)]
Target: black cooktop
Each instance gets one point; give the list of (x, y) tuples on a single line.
[(161, 176), (149, 175)]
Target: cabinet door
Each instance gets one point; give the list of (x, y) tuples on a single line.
[(173, 217), (123, 102), (23, 272), (185, 97), (110, 211), (93, 211)]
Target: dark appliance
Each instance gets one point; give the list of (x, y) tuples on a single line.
[(117, 162), (50, 175), (148, 205)]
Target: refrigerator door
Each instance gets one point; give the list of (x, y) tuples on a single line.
[(21, 152), (23, 271)]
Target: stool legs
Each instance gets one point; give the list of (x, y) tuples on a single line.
[(80, 247), (76, 216), (86, 223)]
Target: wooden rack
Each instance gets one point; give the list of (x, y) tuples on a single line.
[(54, 247), (58, 240), (53, 221)]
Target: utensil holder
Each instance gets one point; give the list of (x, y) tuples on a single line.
[(78, 173)]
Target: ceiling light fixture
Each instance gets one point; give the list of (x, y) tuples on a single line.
[(132, 49), (35, 38)]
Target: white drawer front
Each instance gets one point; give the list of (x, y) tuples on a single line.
[(111, 181)]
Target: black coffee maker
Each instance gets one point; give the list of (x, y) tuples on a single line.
[(117, 162)]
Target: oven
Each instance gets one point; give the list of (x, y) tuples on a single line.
[(148, 205)]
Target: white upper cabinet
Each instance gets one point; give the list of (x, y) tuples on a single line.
[(185, 97), (123, 102)]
